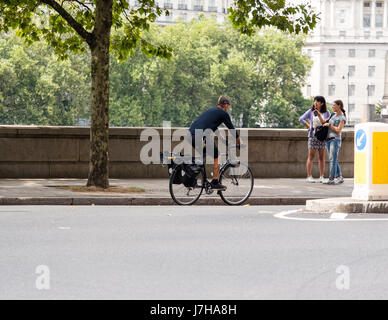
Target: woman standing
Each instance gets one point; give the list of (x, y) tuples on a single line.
[(315, 117), (334, 140)]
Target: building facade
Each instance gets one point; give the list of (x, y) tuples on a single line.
[(189, 9), (349, 49)]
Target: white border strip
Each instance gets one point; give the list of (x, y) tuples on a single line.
[(337, 216)]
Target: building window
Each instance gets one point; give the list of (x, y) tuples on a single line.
[(182, 5), (352, 71), (379, 4), (309, 90), (331, 90), (212, 6), (372, 53), (331, 70), (167, 4), (352, 53), (366, 34), (352, 107), (371, 71), (379, 34), (352, 90), (366, 4), (366, 21), (371, 90), (332, 53), (309, 52), (342, 16), (342, 33), (197, 5), (379, 20)]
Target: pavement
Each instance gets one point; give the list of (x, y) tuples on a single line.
[(282, 191)]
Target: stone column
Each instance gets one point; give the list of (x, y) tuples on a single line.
[(361, 6), (332, 13), (384, 111), (353, 15), (373, 15), (385, 17)]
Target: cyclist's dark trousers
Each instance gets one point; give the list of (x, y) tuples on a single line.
[(201, 146)]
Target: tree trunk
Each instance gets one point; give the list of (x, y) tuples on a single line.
[(99, 129)]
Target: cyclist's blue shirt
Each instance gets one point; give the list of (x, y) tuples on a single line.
[(211, 119)]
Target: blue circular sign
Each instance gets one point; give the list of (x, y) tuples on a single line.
[(360, 139)]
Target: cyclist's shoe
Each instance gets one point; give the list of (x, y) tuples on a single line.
[(217, 186)]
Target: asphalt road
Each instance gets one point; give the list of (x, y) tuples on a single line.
[(96, 252)]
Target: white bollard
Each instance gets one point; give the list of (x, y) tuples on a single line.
[(370, 161)]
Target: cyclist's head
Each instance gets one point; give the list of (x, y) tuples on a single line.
[(223, 102)]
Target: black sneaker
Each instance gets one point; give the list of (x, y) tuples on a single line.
[(217, 186)]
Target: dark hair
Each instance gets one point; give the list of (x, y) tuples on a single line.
[(222, 101), (323, 101), (341, 105)]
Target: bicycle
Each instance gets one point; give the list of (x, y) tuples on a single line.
[(189, 180)]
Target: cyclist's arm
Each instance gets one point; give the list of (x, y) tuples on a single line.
[(230, 126)]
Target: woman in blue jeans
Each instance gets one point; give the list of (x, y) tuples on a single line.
[(334, 140)]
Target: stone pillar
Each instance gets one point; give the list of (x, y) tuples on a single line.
[(373, 15), (361, 6), (352, 15), (332, 13), (322, 9), (384, 105), (385, 17)]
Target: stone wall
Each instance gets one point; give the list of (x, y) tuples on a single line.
[(63, 152)]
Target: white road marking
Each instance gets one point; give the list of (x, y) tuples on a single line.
[(338, 215), (284, 215), (64, 228)]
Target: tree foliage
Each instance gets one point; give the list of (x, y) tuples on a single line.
[(69, 26), (36, 88), (262, 74)]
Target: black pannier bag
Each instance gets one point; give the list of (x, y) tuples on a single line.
[(189, 175), (178, 176)]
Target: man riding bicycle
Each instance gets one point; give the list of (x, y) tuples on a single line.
[(211, 119)]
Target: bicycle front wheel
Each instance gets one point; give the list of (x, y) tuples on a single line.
[(238, 180), (186, 195)]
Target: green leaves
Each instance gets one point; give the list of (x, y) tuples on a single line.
[(262, 75), (67, 26), (37, 89), (248, 15)]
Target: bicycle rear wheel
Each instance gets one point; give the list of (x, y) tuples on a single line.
[(238, 180), (183, 195)]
